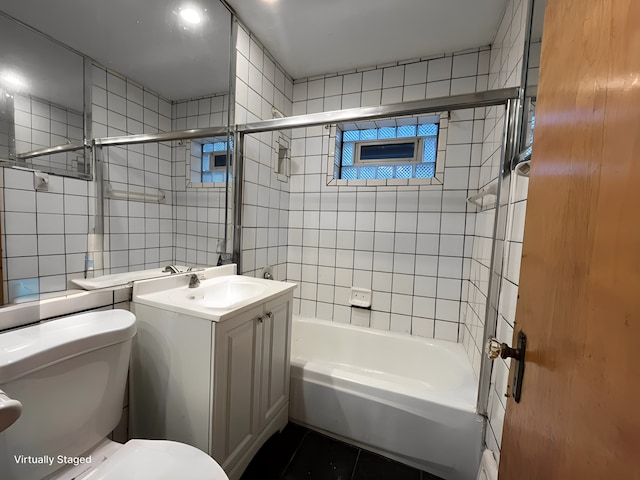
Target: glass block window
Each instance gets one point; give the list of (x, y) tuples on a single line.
[(214, 162), (402, 151)]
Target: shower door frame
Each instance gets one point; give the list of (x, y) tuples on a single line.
[(510, 98)]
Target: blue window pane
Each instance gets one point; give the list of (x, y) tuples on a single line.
[(351, 135), (347, 154), (385, 171), (336, 157), (429, 150), (207, 147), (425, 170), (387, 132), (387, 150), (220, 160), (407, 131), (206, 161), (207, 177), (367, 173), (338, 136), (349, 173), (427, 129), (218, 177), (220, 146), (371, 134), (404, 171)]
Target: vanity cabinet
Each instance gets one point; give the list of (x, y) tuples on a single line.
[(220, 386)]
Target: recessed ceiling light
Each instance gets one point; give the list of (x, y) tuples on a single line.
[(12, 79), (191, 15)]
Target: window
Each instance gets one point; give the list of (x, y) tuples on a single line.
[(394, 148), (209, 160)]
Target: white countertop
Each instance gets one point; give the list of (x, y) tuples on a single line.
[(213, 299)]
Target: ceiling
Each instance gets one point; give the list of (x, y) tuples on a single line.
[(310, 37), (144, 40)]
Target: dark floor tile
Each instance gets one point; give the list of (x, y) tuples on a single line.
[(429, 476), (274, 456), (374, 467), (322, 458)]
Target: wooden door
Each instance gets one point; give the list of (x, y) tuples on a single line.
[(579, 297)]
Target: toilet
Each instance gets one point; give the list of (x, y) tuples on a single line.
[(69, 376)]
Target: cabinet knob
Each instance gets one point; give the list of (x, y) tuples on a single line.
[(269, 315), (261, 319)]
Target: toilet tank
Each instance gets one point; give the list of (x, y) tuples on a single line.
[(70, 375)]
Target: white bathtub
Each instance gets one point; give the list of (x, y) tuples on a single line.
[(407, 398)]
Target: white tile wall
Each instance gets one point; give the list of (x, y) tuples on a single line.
[(198, 221), (40, 124), (505, 70), (44, 233), (138, 235), (260, 85), (449, 75), (410, 244)]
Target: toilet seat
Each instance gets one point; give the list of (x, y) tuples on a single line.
[(157, 460)]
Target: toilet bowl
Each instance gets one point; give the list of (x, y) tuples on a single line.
[(69, 375), (144, 459)]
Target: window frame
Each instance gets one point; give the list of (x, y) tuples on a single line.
[(418, 143), (334, 136), (195, 154)]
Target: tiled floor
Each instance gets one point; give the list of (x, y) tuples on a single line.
[(298, 453)]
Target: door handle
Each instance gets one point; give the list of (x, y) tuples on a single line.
[(495, 349)]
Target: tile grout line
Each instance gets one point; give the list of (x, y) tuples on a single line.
[(355, 464), (293, 455)]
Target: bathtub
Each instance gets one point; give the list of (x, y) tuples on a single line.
[(407, 398)]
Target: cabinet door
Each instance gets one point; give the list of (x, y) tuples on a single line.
[(235, 399), (276, 350)]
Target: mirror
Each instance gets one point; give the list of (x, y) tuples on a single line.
[(42, 90), (148, 71)]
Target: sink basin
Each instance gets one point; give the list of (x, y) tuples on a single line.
[(222, 292)]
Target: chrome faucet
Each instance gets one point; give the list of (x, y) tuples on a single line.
[(194, 281), (171, 268)]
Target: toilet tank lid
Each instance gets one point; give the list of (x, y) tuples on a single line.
[(34, 347)]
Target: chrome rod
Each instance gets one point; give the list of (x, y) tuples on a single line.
[(161, 137), (238, 176), (67, 147), (98, 157), (470, 100), (509, 140)]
